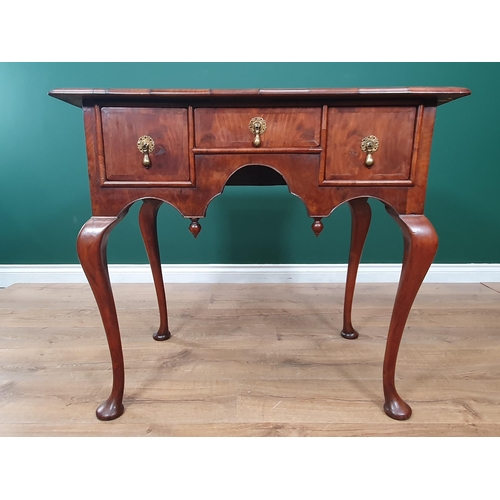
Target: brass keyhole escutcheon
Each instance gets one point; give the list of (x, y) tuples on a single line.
[(146, 145), (257, 126), (369, 145)]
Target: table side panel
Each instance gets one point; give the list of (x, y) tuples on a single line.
[(421, 160)]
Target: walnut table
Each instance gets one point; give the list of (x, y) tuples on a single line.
[(330, 146)]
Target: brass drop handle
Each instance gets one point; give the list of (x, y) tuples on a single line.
[(369, 145), (146, 145), (257, 126)]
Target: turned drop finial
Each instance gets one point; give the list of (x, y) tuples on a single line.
[(317, 225), (195, 227)]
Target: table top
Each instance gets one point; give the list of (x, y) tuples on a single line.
[(441, 95)]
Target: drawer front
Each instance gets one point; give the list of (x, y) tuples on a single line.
[(394, 127), (285, 127), (168, 127)]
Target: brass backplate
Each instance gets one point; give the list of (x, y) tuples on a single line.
[(145, 144), (257, 125), (370, 144)]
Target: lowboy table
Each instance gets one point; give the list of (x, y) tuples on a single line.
[(330, 146)]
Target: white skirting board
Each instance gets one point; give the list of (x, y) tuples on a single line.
[(248, 273)]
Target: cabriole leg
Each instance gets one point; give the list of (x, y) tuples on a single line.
[(148, 224), (91, 247), (361, 217), (420, 246)]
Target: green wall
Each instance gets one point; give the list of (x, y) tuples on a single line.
[(44, 197)]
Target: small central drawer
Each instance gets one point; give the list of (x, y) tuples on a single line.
[(285, 127)]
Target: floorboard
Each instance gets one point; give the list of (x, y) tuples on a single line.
[(249, 360)]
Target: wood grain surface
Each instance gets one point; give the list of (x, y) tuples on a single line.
[(249, 360)]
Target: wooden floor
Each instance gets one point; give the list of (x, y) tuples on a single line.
[(249, 360)]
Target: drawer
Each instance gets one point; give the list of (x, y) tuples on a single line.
[(285, 127), (168, 127), (394, 127)]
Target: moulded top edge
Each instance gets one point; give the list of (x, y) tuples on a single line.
[(76, 96)]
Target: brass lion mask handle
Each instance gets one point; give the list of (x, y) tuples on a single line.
[(257, 126), (146, 145), (369, 145)]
